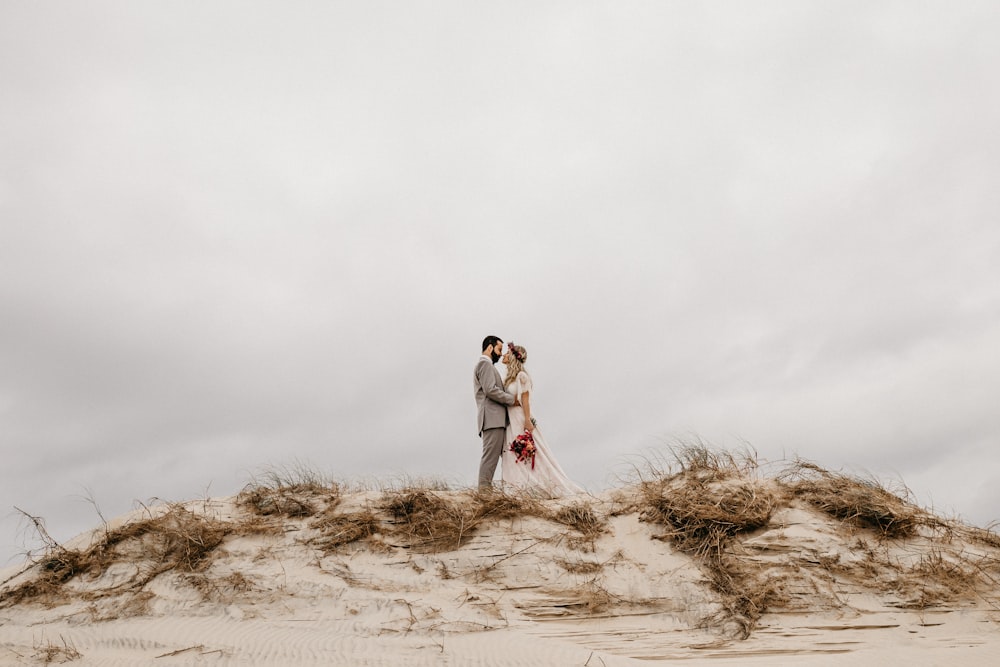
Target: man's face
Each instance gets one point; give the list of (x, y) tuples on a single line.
[(497, 352)]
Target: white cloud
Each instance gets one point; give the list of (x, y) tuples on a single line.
[(229, 238)]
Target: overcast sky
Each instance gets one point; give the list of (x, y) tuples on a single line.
[(242, 234)]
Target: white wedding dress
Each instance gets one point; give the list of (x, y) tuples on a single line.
[(546, 478)]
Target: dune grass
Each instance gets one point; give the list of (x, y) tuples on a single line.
[(705, 503), (339, 529), (296, 492), (863, 501), (173, 539), (428, 521), (49, 652)]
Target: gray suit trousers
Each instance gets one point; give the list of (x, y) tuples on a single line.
[(493, 443)]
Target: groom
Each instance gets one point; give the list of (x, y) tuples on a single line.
[(491, 402)]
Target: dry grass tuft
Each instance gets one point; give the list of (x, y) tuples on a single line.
[(49, 652), (221, 589), (941, 577), (430, 522), (52, 571), (582, 518), (864, 502), (704, 509), (490, 504), (406, 504), (957, 577), (987, 535), (686, 456), (178, 539), (296, 494), (336, 530), (276, 502), (700, 457), (580, 566), (175, 539), (705, 505), (135, 604), (745, 594), (426, 521), (593, 597)]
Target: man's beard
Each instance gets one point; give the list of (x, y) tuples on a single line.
[(495, 357)]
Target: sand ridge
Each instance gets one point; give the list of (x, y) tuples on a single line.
[(323, 575)]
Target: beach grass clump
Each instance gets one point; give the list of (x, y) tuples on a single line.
[(940, 576), (296, 493), (276, 503), (864, 502), (486, 504), (745, 594), (952, 578), (705, 505), (702, 516), (177, 539), (339, 529), (50, 652), (173, 539), (701, 457), (429, 521), (222, 589), (51, 572), (592, 597), (579, 566), (426, 520), (987, 536), (581, 517)]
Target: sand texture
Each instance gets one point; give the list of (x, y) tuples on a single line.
[(712, 564)]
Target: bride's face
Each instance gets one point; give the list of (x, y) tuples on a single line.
[(506, 357)]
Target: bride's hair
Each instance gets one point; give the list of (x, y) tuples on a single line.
[(518, 356)]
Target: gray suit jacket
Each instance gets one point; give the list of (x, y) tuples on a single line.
[(491, 399)]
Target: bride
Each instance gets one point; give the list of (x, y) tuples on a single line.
[(543, 474)]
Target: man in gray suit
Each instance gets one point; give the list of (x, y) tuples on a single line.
[(491, 402)]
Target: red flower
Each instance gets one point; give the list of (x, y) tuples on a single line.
[(523, 448)]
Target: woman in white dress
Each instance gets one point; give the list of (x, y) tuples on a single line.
[(545, 477)]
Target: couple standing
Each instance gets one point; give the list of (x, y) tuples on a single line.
[(504, 408)]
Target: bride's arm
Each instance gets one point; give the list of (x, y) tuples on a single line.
[(526, 406)]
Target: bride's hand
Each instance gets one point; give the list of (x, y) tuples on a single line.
[(529, 425)]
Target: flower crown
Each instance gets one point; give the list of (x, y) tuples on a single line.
[(513, 350)]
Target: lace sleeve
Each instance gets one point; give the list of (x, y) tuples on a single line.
[(525, 381)]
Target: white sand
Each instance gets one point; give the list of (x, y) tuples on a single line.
[(510, 596)]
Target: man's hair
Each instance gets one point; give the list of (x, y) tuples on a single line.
[(490, 341)]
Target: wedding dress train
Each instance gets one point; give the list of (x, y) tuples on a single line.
[(547, 477)]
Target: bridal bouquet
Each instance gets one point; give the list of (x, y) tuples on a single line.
[(523, 448)]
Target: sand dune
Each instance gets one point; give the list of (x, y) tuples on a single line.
[(303, 573)]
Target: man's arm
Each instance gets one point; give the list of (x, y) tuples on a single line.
[(488, 381)]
